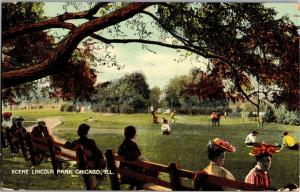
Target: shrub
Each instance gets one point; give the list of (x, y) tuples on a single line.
[(67, 107), (286, 117), (269, 115)]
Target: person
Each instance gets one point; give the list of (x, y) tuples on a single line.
[(130, 151), (5, 126), (289, 142), (93, 153), (154, 117), (14, 134), (218, 118), (251, 139), (173, 113), (258, 175), (216, 149), (165, 127), (225, 114), (41, 132), (214, 117)]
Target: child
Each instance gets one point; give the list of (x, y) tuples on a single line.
[(165, 127)]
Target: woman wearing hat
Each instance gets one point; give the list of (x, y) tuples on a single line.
[(217, 149), (259, 174)]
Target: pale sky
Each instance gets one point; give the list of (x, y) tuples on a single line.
[(161, 66)]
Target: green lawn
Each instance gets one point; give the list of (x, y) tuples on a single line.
[(186, 145)]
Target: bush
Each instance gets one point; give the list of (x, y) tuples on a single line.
[(67, 107), (269, 115), (286, 117), (125, 108)]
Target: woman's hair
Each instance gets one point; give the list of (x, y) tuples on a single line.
[(83, 129), (285, 133), (259, 157), (213, 151), (129, 132)]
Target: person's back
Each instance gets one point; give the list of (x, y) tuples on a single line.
[(93, 153), (130, 152)]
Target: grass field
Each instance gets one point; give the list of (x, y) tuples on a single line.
[(186, 145)]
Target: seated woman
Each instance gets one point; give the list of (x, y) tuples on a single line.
[(289, 142), (92, 152), (259, 174), (165, 127), (130, 151), (216, 149)]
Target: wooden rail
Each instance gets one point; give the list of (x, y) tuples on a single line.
[(57, 150)]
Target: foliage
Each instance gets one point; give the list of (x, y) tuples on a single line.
[(286, 117), (269, 115), (25, 49), (128, 94), (244, 43), (154, 97), (76, 83)]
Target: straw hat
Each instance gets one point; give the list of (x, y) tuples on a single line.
[(222, 144)]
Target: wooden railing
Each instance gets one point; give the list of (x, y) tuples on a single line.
[(175, 174)]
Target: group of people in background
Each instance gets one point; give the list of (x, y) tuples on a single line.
[(215, 118), (288, 141), (165, 123)]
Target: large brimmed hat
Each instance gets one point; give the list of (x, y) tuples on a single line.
[(7, 115), (19, 118), (263, 148), (222, 145)]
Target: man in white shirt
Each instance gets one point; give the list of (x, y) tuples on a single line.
[(251, 138)]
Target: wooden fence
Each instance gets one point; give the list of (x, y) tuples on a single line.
[(175, 180)]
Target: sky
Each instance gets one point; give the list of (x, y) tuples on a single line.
[(159, 65)]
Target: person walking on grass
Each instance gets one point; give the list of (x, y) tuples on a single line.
[(214, 117), (173, 116)]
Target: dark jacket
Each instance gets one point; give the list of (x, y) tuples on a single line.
[(94, 153), (129, 150)]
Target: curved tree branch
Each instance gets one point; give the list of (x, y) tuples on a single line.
[(55, 22), (63, 51)]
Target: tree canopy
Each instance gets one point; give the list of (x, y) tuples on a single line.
[(244, 42)]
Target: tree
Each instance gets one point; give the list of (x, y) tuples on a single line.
[(247, 44), (127, 95), (76, 83), (244, 39), (154, 98)]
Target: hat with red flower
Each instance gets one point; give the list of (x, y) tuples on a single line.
[(263, 148), (222, 144), (6, 115)]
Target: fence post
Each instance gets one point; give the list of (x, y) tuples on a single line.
[(114, 182), (30, 146), (52, 155), (82, 165), (174, 177)]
